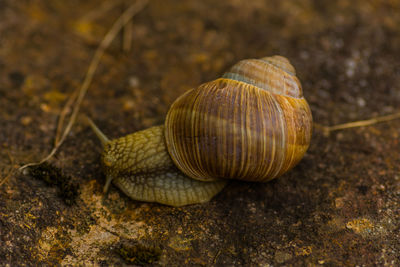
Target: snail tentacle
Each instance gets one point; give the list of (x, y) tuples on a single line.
[(104, 140), (102, 137)]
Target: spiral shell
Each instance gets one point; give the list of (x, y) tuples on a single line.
[(252, 124)]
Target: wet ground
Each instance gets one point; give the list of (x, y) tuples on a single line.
[(339, 206)]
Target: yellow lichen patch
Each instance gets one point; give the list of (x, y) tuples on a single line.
[(46, 242), (54, 97), (360, 226), (45, 108), (303, 251), (88, 246), (30, 220), (33, 83), (340, 202), (26, 120), (36, 12), (128, 105), (108, 229), (200, 57), (87, 30), (84, 28), (180, 243)]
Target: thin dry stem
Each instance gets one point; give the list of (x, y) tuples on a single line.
[(64, 112), (127, 37), (11, 170), (101, 10), (108, 38), (328, 129), (127, 34)]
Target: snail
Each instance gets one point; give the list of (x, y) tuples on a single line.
[(251, 124)]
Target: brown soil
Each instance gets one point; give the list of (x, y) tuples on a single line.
[(339, 206)]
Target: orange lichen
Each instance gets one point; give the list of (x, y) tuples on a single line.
[(360, 226), (303, 251)]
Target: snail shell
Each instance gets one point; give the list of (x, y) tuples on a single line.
[(252, 124)]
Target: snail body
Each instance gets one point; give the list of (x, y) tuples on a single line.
[(251, 124), (141, 167)]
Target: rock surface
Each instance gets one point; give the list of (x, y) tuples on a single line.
[(339, 206)]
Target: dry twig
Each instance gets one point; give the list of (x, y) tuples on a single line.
[(328, 129), (101, 10), (127, 34), (81, 92), (11, 171)]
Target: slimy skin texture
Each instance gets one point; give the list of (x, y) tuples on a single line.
[(141, 167)]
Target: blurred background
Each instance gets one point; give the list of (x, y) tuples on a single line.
[(339, 206)]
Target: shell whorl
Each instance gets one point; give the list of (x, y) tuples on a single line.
[(274, 74), (252, 124)]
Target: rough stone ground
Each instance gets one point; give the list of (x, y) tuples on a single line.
[(339, 206)]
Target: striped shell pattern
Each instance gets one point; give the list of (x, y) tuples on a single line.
[(252, 124)]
